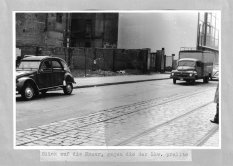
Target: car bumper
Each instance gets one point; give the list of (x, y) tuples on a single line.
[(183, 78), (18, 88)]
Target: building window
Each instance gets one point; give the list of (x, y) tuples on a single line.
[(59, 17), (208, 30), (209, 18)]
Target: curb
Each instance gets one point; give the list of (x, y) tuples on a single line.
[(116, 83)]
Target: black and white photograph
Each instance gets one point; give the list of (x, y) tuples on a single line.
[(119, 79), (116, 83)]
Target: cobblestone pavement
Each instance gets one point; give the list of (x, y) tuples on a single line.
[(180, 120), (213, 141), (186, 131)]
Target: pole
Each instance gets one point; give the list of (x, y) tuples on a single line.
[(113, 60), (198, 32), (173, 55), (104, 62), (85, 61), (206, 26)]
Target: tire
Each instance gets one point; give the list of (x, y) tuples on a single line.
[(206, 79), (28, 92), (210, 77), (174, 81), (68, 88)]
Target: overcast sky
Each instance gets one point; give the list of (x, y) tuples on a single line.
[(157, 30)]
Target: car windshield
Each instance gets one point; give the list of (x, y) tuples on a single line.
[(187, 63), (29, 65)]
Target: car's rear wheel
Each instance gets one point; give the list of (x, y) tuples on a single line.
[(28, 92), (68, 88)]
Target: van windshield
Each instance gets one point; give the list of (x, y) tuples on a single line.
[(187, 63)]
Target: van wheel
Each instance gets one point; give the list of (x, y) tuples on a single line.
[(206, 79), (68, 88), (28, 92), (210, 77), (174, 81)]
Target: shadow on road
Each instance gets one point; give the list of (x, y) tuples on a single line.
[(182, 83), (44, 96)]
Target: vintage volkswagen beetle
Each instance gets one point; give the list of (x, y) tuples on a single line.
[(42, 73)]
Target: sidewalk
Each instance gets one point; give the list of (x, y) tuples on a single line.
[(85, 82)]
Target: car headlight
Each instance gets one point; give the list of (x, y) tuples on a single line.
[(191, 74)]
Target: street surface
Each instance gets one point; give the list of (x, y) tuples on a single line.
[(152, 113)]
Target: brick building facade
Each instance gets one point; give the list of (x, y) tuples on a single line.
[(35, 31), (94, 30), (80, 39), (40, 29)]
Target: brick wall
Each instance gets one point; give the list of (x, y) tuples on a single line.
[(39, 29), (30, 28), (95, 58)]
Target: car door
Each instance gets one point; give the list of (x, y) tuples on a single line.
[(58, 72), (44, 76)]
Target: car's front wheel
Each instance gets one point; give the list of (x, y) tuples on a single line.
[(68, 88), (28, 92)]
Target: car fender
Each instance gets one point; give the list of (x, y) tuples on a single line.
[(69, 78), (21, 82)]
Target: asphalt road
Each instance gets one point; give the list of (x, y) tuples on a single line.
[(55, 106)]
